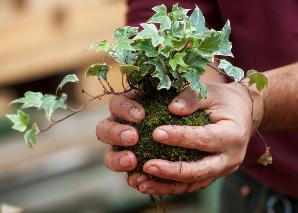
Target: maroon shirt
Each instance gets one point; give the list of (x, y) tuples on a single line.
[(264, 36)]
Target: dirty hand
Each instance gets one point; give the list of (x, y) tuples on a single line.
[(230, 109)]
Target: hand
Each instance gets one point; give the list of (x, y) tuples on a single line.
[(230, 108), (112, 133)]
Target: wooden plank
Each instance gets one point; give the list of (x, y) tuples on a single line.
[(32, 46)]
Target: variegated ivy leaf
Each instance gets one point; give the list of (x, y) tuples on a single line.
[(30, 99), (160, 10), (125, 32), (179, 13), (67, 79), (50, 103), (101, 46), (150, 32), (193, 77), (211, 43), (232, 71), (197, 21), (178, 29), (98, 70), (257, 78), (177, 60), (20, 120), (123, 56), (160, 73), (161, 17), (31, 135), (146, 46), (226, 45)]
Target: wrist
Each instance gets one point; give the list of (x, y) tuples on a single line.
[(257, 104)]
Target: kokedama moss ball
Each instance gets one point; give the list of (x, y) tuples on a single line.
[(156, 104)]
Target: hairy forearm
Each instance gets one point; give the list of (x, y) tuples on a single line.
[(281, 99)]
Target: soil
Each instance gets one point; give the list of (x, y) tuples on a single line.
[(155, 103)]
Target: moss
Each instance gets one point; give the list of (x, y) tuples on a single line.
[(157, 114)]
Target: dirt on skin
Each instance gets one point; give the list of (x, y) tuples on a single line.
[(156, 104)]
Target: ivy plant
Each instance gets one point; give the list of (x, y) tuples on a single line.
[(170, 50)]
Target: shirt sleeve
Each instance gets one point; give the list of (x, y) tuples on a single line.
[(140, 10)]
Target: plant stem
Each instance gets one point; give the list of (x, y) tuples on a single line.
[(75, 111)]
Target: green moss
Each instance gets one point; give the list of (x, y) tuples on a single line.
[(157, 114)]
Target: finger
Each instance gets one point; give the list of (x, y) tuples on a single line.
[(207, 168), (209, 138), (126, 109), (136, 179), (113, 133), (187, 102), (160, 188), (122, 161), (200, 185)]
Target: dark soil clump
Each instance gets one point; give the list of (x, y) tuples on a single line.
[(157, 114)]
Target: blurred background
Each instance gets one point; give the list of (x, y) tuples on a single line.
[(40, 42)]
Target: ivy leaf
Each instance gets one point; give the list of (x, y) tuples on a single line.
[(226, 45), (160, 10), (146, 46), (20, 120), (232, 71), (193, 77), (128, 68), (194, 60), (69, 78), (101, 46), (123, 56), (177, 60), (124, 44), (30, 99), (165, 51), (50, 103), (257, 78), (266, 158), (164, 21), (179, 13), (125, 32), (211, 42), (160, 73), (197, 21), (99, 70), (150, 32), (178, 29), (31, 135)]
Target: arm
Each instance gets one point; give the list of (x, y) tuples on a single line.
[(281, 99)]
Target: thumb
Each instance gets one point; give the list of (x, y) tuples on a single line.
[(188, 102)]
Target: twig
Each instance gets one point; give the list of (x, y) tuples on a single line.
[(109, 85), (75, 111), (103, 86)]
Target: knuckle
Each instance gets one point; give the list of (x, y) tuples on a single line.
[(205, 137), (242, 137)]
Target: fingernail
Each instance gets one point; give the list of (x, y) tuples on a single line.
[(127, 136), (179, 103), (136, 113), (160, 134), (125, 161), (152, 169)]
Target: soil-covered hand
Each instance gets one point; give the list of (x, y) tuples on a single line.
[(230, 109), (113, 133)]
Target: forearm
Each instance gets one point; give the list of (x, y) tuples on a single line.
[(281, 99)]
